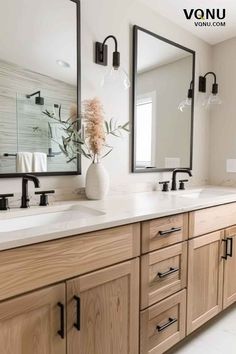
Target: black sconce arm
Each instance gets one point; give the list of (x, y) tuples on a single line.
[(202, 83), (101, 54)]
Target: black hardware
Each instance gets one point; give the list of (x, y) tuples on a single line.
[(4, 205), (171, 271), (39, 99), (166, 325), (226, 249), (101, 53), (50, 154), (181, 184), (44, 197), (178, 170), (202, 83), (77, 324), (230, 254), (170, 231), (165, 187), (137, 32), (25, 193), (61, 331)]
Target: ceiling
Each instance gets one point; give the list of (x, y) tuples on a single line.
[(173, 10), (35, 34), (153, 52)]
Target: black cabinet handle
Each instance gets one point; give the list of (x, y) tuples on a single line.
[(171, 271), (61, 331), (166, 325), (77, 324), (230, 253), (170, 231)]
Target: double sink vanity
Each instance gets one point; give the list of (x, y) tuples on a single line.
[(129, 274)]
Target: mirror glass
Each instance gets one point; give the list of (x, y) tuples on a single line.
[(39, 72), (163, 103)]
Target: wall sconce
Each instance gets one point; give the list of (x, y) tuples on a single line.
[(188, 101), (214, 97), (115, 74)]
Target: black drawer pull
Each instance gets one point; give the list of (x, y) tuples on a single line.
[(170, 231), (168, 324), (77, 324), (171, 271), (61, 331)]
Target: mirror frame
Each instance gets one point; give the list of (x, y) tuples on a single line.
[(134, 99), (78, 171)]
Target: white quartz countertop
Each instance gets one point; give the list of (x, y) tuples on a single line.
[(118, 210)]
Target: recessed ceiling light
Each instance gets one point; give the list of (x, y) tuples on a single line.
[(63, 63)]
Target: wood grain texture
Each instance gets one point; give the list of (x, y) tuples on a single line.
[(154, 288), (151, 238), (31, 267), (154, 342), (205, 279), (229, 295), (211, 219), (29, 324), (109, 311)]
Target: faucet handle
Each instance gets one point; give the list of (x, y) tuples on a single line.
[(181, 184), (165, 185), (44, 197), (4, 201)]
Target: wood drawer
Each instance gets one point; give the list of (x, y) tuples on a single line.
[(163, 273), (163, 325), (31, 267), (207, 220), (163, 232)]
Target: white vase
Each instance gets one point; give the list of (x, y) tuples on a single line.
[(97, 181)]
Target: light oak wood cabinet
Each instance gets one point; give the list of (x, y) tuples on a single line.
[(33, 323), (103, 311), (205, 279), (229, 295)]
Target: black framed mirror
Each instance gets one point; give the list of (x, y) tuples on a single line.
[(39, 72), (163, 103)]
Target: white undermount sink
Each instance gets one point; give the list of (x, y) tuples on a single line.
[(204, 193), (72, 213)]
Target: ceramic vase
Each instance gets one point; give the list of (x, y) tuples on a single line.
[(97, 181)]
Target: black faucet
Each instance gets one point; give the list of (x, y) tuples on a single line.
[(25, 194), (179, 170)]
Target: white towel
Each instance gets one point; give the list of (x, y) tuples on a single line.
[(39, 162), (24, 162)]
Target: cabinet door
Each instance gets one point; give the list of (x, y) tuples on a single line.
[(32, 324), (205, 279), (230, 267), (103, 311)]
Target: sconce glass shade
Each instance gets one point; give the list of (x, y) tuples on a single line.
[(184, 104), (116, 78), (211, 100)]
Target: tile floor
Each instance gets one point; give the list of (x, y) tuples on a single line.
[(218, 337)]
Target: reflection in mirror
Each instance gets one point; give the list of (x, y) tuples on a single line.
[(38, 72), (163, 103)]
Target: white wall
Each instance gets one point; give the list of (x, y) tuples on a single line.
[(223, 117), (99, 19)]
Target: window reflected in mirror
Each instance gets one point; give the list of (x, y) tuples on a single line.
[(163, 103)]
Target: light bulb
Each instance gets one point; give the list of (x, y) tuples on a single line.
[(184, 104), (116, 77), (211, 100)]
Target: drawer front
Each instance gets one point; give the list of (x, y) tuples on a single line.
[(163, 273), (204, 221), (31, 267), (163, 325), (163, 232)]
